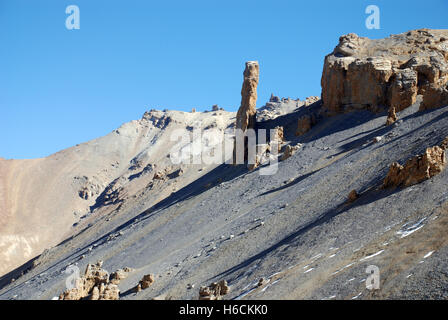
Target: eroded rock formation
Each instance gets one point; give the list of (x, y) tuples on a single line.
[(245, 118), (246, 115), (214, 291), (416, 169), (377, 74), (145, 283), (95, 284)]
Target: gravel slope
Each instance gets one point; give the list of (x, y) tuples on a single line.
[(311, 244)]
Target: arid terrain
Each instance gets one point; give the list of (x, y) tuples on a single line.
[(361, 181)]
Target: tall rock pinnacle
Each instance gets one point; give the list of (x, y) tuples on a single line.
[(245, 118), (246, 115)]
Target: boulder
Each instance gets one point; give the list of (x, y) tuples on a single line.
[(352, 196), (416, 169), (120, 274), (214, 291), (288, 152), (391, 117), (147, 281)]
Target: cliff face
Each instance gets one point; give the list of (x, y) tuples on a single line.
[(378, 74)]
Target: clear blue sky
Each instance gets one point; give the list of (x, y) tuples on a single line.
[(61, 87)]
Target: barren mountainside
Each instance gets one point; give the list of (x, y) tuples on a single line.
[(361, 181)]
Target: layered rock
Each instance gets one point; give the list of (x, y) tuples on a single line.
[(377, 74), (416, 169)]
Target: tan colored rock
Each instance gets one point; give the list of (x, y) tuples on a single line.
[(416, 169), (245, 118), (110, 292), (352, 196), (289, 152), (444, 144), (159, 175), (375, 74), (305, 123), (279, 135), (403, 90), (246, 115), (117, 276), (95, 295), (147, 281), (391, 117), (95, 285), (434, 97), (311, 100), (214, 291)]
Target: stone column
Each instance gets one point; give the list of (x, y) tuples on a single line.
[(246, 116)]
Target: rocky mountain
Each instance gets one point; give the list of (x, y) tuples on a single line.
[(361, 185)]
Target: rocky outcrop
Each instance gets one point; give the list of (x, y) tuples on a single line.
[(376, 74), (274, 98), (311, 100), (246, 115), (94, 285), (416, 169), (214, 291)]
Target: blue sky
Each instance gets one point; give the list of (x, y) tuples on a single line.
[(61, 87)]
